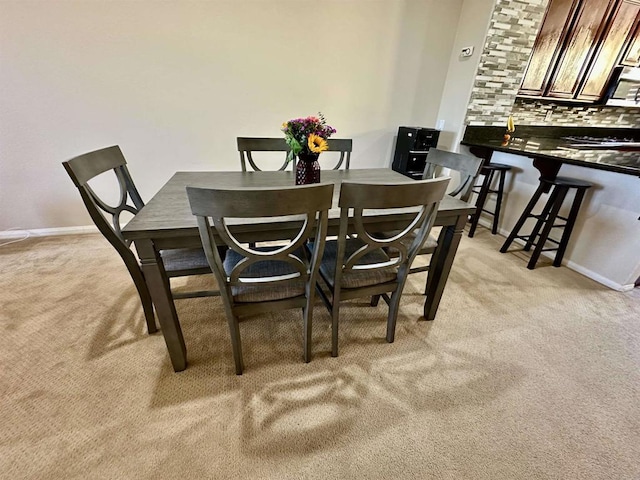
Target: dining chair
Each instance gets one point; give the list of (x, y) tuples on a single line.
[(466, 167), (358, 266), (247, 146), (177, 262), (341, 146), (262, 279)]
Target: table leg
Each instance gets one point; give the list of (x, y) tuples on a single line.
[(441, 265), (160, 291)]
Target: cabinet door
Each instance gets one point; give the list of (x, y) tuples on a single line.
[(547, 46), (618, 33), (581, 45), (631, 57)]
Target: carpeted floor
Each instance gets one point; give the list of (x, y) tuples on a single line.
[(523, 375)]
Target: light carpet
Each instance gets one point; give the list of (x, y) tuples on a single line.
[(523, 375)]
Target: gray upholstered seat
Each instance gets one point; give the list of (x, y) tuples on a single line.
[(177, 263), (257, 280), (255, 292), (358, 267), (356, 278), (184, 261)]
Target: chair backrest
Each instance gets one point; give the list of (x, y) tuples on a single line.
[(342, 145), (83, 168), (425, 194), (248, 145), (467, 166), (306, 208)]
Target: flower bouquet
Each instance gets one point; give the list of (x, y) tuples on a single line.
[(307, 138), (307, 135)]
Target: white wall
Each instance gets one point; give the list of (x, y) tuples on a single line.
[(471, 32), (174, 82)]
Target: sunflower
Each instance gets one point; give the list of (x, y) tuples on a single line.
[(316, 143)]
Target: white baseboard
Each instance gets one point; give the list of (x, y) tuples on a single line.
[(45, 232), (598, 278), (567, 263)]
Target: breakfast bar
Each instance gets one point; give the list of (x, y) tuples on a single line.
[(606, 239), (612, 149)]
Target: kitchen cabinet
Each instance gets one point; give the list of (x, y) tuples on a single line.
[(617, 35), (579, 44), (579, 48), (547, 46), (631, 57)]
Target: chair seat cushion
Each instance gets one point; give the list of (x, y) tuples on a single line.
[(180, 260), (356, 278), (251, 292), (429, 245)]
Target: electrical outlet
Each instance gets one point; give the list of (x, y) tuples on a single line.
[(440, 125), (466, 52)]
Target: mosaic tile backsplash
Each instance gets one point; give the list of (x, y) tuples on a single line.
[(512, 32)]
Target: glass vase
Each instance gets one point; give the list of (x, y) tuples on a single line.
[(307, 169)]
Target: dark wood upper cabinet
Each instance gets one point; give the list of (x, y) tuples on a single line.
[(631, 57), (616, 37), (583, 35), (577, 47), (547, 47)]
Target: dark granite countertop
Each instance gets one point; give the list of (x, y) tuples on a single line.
[(549, 143)]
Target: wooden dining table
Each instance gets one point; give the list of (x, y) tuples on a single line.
[(166, 222)]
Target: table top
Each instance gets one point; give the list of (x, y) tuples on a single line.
[(550, 143), (168, 214)]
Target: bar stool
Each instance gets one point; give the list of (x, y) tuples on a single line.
[(484, 189), (546, 219)]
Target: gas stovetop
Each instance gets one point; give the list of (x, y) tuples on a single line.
[(587, 142)]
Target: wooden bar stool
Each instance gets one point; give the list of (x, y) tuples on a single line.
[(484, 189), (558, 187)]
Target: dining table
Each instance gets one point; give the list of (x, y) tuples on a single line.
[(166, 222)]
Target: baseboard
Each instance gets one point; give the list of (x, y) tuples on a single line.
[(45, 232), (599, 278), (567, 263)]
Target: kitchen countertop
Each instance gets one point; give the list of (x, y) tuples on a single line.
[(547, 143)]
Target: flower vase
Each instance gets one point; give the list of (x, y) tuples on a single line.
[(307, 169)]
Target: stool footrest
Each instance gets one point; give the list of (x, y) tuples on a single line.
[(527, 237)]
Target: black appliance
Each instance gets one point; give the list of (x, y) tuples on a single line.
[(412, 146)]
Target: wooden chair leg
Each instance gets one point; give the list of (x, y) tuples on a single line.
[(145, 297), (307, 321), (335, 316), (394, 305), (236, 345)]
